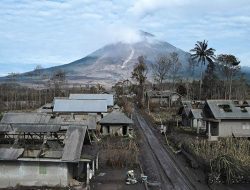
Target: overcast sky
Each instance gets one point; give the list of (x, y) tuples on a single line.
[(54, 32)]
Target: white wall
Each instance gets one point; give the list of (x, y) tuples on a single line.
[(226, 128), (33, 174)]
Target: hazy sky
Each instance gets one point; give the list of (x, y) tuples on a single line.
[(54, 32)]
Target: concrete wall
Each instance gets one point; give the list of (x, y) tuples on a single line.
[(33, 174), (226, 128), (197, 122), (113, 130)]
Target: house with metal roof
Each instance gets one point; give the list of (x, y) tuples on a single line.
[(166, 97), (196, 119), (79, 106), (190, 112), (115, 123), (34, 154), (88, 120), (108, 97), (225, 118)]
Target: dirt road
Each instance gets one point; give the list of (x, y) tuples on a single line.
[(166, 171)]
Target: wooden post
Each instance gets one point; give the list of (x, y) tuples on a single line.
[(93, 167), (97, 162), (88, 174), (209, 131), (198, 127)]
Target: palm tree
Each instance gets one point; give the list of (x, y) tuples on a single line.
[(202, 54)]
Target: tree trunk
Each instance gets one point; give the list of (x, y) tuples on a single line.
[(230, 87), (201, 80)]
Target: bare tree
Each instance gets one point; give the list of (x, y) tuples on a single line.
[(175, 67), (140, 75), (229, 65), (161, 69), (57, 80)]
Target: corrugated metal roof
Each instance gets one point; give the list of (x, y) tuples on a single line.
[(196, 113), (108, 97), (35, 128), (235, 113), (5, 127), (165, 93), (73, 143), (87, 106), (116, 117), (12, 117), (91, 121), (10, 153)]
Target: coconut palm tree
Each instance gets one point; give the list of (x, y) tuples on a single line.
[(202, 54)]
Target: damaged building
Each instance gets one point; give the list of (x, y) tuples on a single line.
[(36, 154), (115, 123)]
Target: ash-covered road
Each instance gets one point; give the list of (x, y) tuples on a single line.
[(167, 171)]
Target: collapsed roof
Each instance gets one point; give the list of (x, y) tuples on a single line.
[(31, 142)]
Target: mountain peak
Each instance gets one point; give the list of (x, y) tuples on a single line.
[(145, 34)]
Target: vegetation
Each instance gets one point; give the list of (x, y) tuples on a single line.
[(119, 152), (229, 158), (202, 54), (140, 75)]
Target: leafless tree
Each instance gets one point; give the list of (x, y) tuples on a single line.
[(175, 67), (161, 69)]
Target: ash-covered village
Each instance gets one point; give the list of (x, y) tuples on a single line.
[(137, 114)]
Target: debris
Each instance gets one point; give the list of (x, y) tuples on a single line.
[(131, 178)]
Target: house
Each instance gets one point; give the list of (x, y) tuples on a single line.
[(79, 106), (226, 118), (190, 112), (166, 97), (115, 123), (196, 119), (183, 111), (108, 97), (45, 155)]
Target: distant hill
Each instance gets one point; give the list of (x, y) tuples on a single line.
[(246, 71), (111, 63)]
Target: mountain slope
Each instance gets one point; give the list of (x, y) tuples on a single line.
[(111, 63)]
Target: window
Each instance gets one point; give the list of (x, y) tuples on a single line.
[(225, 107), (246, 126), (42, 169), (243, 109)]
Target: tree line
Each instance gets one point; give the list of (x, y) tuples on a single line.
[(220, 75)]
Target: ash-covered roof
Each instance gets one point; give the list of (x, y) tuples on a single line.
[(196, 113), (12, 117), (35, 128), (73, 143), (108, 97), (10, 153), (65, 146), (227, 109), (78, 106), (158, 94), (116, 117)]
